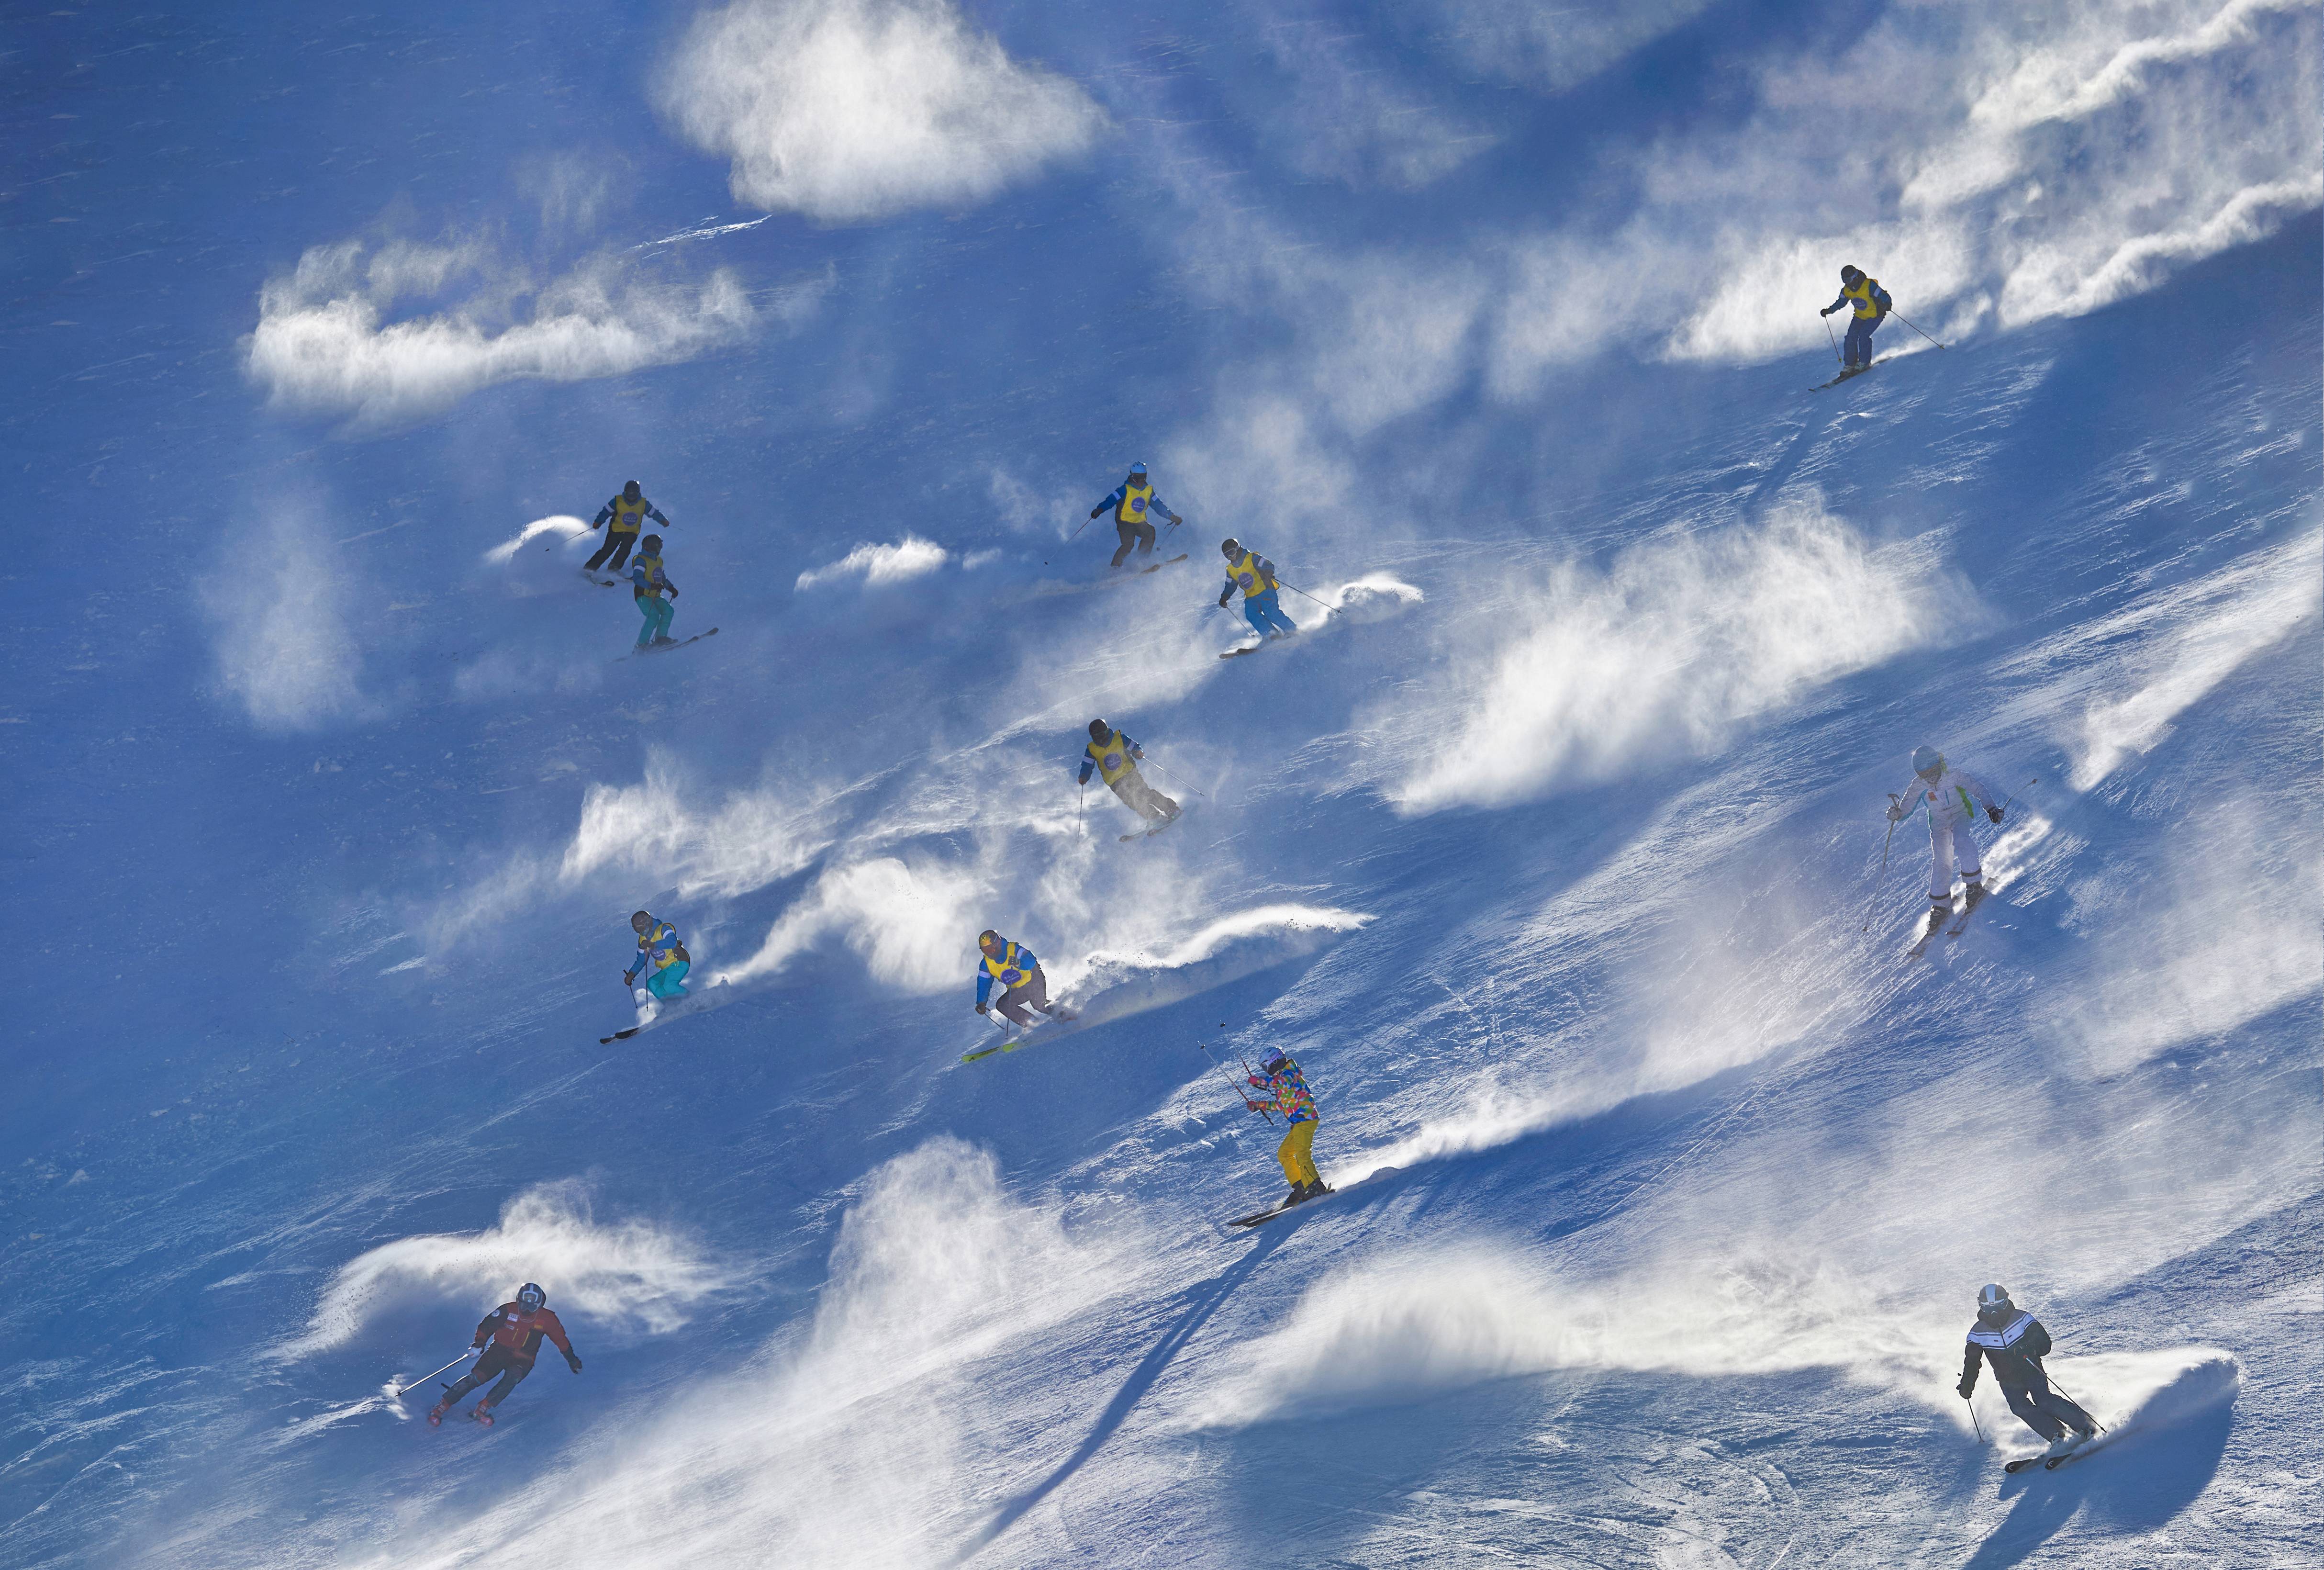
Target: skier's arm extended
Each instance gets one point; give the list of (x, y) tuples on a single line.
[(1984, 796), (555, 1329), (604, 513), (983, 986), (1902, 806), (1113, 500), (1971, 1363), (1089, 767)]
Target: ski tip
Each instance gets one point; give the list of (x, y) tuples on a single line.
[(980, 1052)]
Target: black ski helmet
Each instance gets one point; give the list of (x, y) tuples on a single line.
[(1850, 273), (1992, 1303), (531, 1296), (629, 489), (640, 919), (1278, 1064), (1100, 730), (1229, 546), (650, 546)]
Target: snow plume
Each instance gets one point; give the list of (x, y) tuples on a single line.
[(325, 342), (1434, 1319), (1664, 654), (2194, 637), (632, 1277), (878, 566), (904, 919), (866, 1441), (851, 110), (746, 842), (278, 631), (2231, 929)]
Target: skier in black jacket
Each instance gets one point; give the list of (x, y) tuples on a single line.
[(2013, 1341)]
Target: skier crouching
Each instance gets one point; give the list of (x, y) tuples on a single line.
[(659, 952), (1953, 798), (2013, 1341), (1023, 986), (511, 1336), (1287, 1088)]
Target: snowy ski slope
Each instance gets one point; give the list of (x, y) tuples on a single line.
[(1666, 1181)]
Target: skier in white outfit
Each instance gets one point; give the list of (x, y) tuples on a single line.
[(1953, 797)]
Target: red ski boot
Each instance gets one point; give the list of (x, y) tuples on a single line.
[(436, 1414), (483, 1413)]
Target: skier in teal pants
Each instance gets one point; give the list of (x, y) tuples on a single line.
[(659, 951), (649, 581)]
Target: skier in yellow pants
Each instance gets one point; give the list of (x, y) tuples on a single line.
[(1287, 1088)]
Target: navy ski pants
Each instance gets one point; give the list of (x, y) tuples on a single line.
[(2045, 1411), (1859, 339)]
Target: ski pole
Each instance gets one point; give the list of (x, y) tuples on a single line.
[(423, 1379), (1303, 594), (2063, 1390), (1907, 322), (2012, 795), (1168, 775), (1880, 874), (1231, 1086), (1084, 524), (1832, 341), (1973, 1420), (1082, 809)]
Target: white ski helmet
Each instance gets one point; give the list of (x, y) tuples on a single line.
[(1927, 760), (1993, 1301)]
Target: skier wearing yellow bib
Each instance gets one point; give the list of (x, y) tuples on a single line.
[(1023, 986), (1253, 574), (1872, 308), (627, 514), (1133, 502), (1114, 757)]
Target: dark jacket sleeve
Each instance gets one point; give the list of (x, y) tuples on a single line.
[(555, 1328), (1973, 1360), (2035, 1342), (485, 1328)]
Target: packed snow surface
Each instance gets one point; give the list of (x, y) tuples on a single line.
[(1551, 846)]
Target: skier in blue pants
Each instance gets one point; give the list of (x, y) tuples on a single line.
[(647, 581), (1254, 575)]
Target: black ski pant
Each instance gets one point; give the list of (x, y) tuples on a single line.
[(615, 551), (1144, 799), (2045, 1411), (1141, 535), (495, 1361), (1019, 1001)]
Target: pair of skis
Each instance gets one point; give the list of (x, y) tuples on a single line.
[(1261, 1217), (1255, 648), (1970, 900), (2051, 1462), (667, 648), (1061, 1017), (1150, 833)]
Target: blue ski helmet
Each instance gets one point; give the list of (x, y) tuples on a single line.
[(1138, 468), (530, 1295), (1927, 761)]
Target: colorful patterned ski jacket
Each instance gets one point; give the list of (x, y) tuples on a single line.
[(1288, 1086)]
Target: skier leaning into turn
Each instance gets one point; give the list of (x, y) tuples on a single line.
[(1254, 575), (1131, 501), (1114, 756), (1953, 798), (1023, 986), (627, 514), (511, 1336), (660, 951), (1287, 1089), (2013, 1341)]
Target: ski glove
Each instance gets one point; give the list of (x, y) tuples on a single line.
[(572, 1363), (1897, 811), (1964, 1388), (1994, 813), (629, 978)]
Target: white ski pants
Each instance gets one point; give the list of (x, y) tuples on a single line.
[(1943, 838)]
